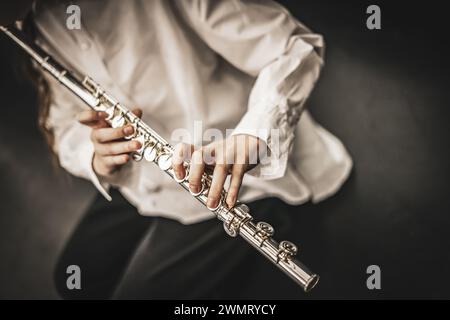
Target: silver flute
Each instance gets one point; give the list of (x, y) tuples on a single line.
[(236, 220)]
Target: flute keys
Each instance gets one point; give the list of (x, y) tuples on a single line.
[(230, 226), (230, 230), (136, 132), (265, 230), (133, 135), (286, 250), (117, 122), (110, 113), (150, 153), (165, 161), (289, 247), (138, 154)]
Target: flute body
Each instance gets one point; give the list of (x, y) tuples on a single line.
[(236, 220)]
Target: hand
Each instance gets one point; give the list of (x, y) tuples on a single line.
[(111, 150), (234, 155)]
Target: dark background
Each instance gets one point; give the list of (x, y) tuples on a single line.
[(384, 93)]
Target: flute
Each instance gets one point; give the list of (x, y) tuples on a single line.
[(236, 220)]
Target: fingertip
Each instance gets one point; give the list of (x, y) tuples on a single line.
[(179, 171), (193, 188), (101, 115), (136, 145), (212, 204), (138, 112), (127, 130), (231, 201)]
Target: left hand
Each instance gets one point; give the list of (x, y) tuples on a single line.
[(234, 155)]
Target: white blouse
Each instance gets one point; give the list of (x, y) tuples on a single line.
[(242, 65)]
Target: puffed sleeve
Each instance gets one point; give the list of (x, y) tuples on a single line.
[(262, 39), (72, 144)]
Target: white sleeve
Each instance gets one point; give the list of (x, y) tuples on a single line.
[(262, 39), (73, 145)]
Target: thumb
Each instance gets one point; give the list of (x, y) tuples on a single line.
[(138, 112)]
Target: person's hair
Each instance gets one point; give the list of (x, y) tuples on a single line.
[(42, 86)]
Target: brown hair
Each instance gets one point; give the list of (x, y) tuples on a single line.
[(43, 91)]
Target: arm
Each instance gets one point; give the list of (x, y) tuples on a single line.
[(263, 40), (85, 145)]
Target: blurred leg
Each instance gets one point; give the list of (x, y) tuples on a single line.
[(198, 261), (124, 255), (101, 246)]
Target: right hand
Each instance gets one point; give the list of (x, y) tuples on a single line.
[(111, 150)]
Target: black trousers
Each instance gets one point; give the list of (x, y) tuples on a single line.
[(123, 255)]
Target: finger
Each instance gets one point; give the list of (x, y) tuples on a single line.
[(90, 117), (181, 153), (239, 148), (102, 135), (215, 190), (209, 154), (114, 161), (237, 174), (137, 112), (196, 170), (100, 124), (116, 148)]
